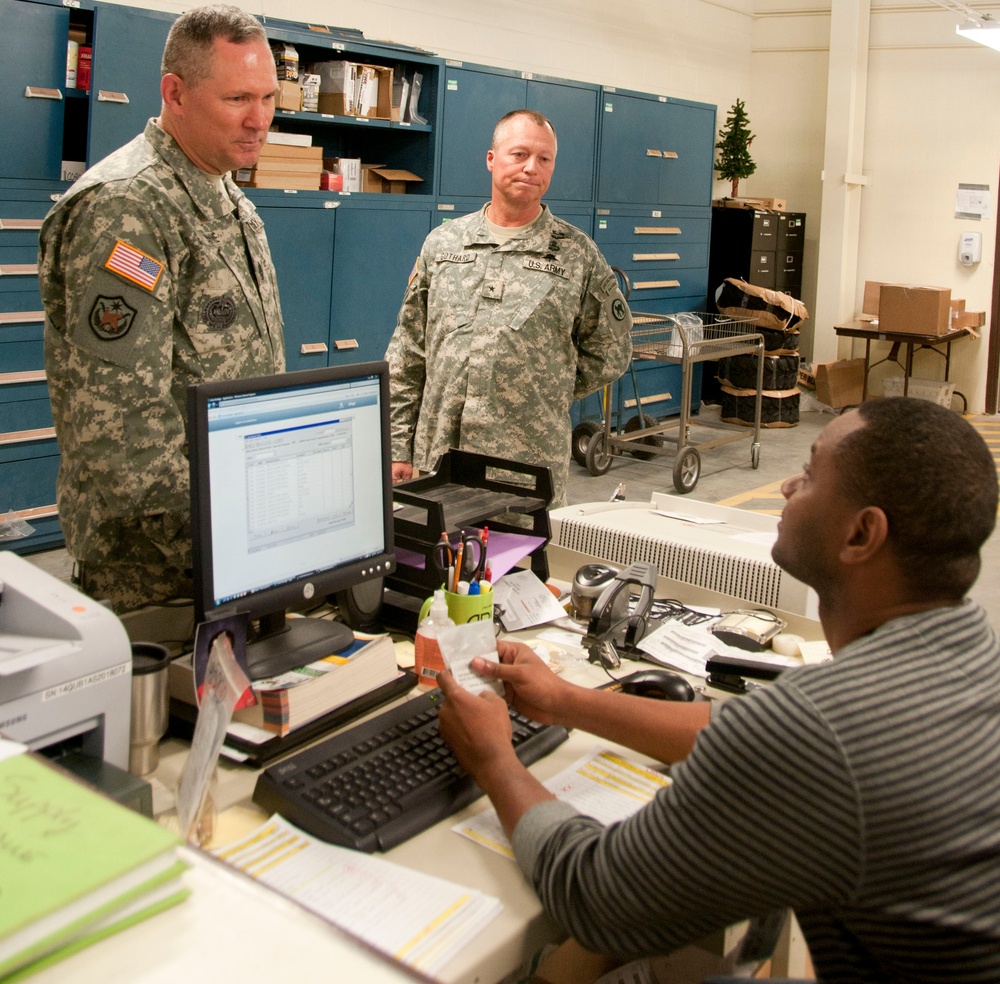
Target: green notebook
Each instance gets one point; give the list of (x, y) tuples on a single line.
[(70, 859)]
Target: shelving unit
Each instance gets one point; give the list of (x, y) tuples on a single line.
[(342, 260)]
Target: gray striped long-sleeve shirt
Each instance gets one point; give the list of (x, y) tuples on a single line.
[(863, 793)]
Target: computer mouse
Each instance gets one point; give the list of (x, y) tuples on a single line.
[(659, 684)]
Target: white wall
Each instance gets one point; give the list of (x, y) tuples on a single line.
[(931, 118), (931, 123)]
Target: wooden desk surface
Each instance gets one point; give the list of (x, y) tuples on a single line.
[(866, 329)]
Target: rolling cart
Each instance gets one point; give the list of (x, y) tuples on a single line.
[(681, 339)]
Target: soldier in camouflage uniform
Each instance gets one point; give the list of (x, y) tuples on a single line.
[(510, 315), (155, 274)]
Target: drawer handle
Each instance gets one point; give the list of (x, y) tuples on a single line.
[(342, 344), (313, 348), (35, 512), (646, 257), (647, 400), (40, 92), (19, 270), (653, 152), (652, 284), (24, 437), (657, 231), (672, 155), (20, 224), (28, 376), (104, 96), (21, 317)]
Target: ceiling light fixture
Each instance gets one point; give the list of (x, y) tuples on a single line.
[(983, 29), (978, 27)]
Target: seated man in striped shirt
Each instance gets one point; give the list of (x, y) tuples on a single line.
[(863, 793)]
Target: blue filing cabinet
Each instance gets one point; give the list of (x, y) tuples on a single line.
[(476, 96), (29, 456), (32, 80), (300, 229), (378, 239), (654, 219), (125, 82)]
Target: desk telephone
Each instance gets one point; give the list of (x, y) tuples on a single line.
[(614, 623)]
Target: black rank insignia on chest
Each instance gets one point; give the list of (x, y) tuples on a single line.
[(111, 317)]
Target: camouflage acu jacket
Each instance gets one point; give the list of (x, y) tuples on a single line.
[(151, 280), (494, 342)]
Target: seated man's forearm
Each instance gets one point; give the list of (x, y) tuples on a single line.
[(663, 730)]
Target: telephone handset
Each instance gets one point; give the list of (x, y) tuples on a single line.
[(611, 619)]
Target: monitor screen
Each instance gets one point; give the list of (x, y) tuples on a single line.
[(291, 501)]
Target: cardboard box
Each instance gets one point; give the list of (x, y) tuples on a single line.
[(310, 93), (840, 383), (349, 167), (289, 96), (286, 61), (386, 180), (771, 204), (969, 319), (913, 309), (935, 390), (328, 181), (289, 139), (292, 152), (354, 89), (869, 302)]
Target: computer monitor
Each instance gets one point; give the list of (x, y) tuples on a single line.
[(291, 501)]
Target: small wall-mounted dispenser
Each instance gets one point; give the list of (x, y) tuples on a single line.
[(970, 248)]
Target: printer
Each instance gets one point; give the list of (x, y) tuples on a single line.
[(65, 666)]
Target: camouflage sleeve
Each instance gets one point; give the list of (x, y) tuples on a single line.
[(112, 383), (406, 356), (603, 334)]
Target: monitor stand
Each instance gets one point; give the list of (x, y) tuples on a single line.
[(282, 644)]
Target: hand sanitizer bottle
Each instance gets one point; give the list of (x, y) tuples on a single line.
[(427, 654)]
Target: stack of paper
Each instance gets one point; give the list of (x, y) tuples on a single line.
[(602, 785), (75, 867), (418, 919)]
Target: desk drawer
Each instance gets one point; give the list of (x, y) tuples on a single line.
[(29, 463), (640, 257), (652, 231), (21, 349), (647, 287)]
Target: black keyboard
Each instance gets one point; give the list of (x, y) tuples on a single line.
[(385, 780)]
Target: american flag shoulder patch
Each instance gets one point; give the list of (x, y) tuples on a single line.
[(134, 265)]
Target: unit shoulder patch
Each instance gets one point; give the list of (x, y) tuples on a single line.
[(111, 317)]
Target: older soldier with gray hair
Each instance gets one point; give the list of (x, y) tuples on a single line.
[(510, 315), (155, 273)]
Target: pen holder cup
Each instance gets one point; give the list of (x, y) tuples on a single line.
[(463, 608), (149, 706)]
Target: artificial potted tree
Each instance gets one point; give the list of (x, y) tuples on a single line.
[(734, 161)]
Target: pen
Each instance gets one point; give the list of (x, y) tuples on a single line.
[(458, 566)]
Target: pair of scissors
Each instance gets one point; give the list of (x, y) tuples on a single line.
[(473, 547), (444, 560)]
